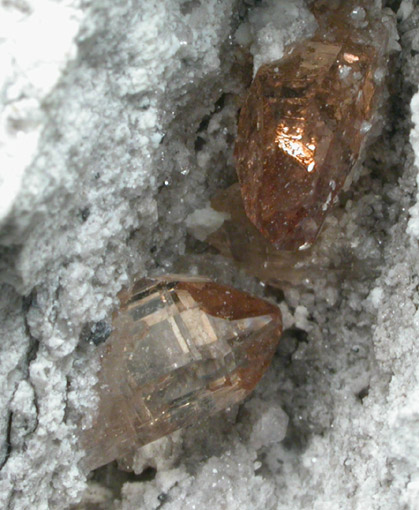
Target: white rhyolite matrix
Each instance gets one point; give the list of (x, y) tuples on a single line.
[(116, 124)]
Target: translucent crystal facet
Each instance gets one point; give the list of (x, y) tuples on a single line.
[(237, 238), (182, 348), (304, 122)]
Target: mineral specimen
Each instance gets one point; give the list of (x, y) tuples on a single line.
[(182, 348), (304, 122)]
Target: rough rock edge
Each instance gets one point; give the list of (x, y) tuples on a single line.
[(61, 241)]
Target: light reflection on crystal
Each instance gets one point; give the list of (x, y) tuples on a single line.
[(301, 125), (290, 142), (350, 58)]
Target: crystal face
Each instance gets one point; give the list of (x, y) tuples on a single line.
[(304, 123), (182, 348)]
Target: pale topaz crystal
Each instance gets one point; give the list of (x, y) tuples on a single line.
[(182, 348), (304, 122)]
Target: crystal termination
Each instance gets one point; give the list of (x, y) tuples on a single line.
[(304, 122), (182, 348)]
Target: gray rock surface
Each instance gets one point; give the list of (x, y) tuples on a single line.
[(116, 123)]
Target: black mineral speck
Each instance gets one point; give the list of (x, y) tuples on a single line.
[(85, 213), (162, 497), (96, 333)]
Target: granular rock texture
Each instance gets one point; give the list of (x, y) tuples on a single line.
[(117, 123)]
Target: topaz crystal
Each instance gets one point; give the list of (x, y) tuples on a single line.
[(304, 122), (181, 349)]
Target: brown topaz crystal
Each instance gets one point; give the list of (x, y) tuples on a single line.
[(182, 348), (304, 122)]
